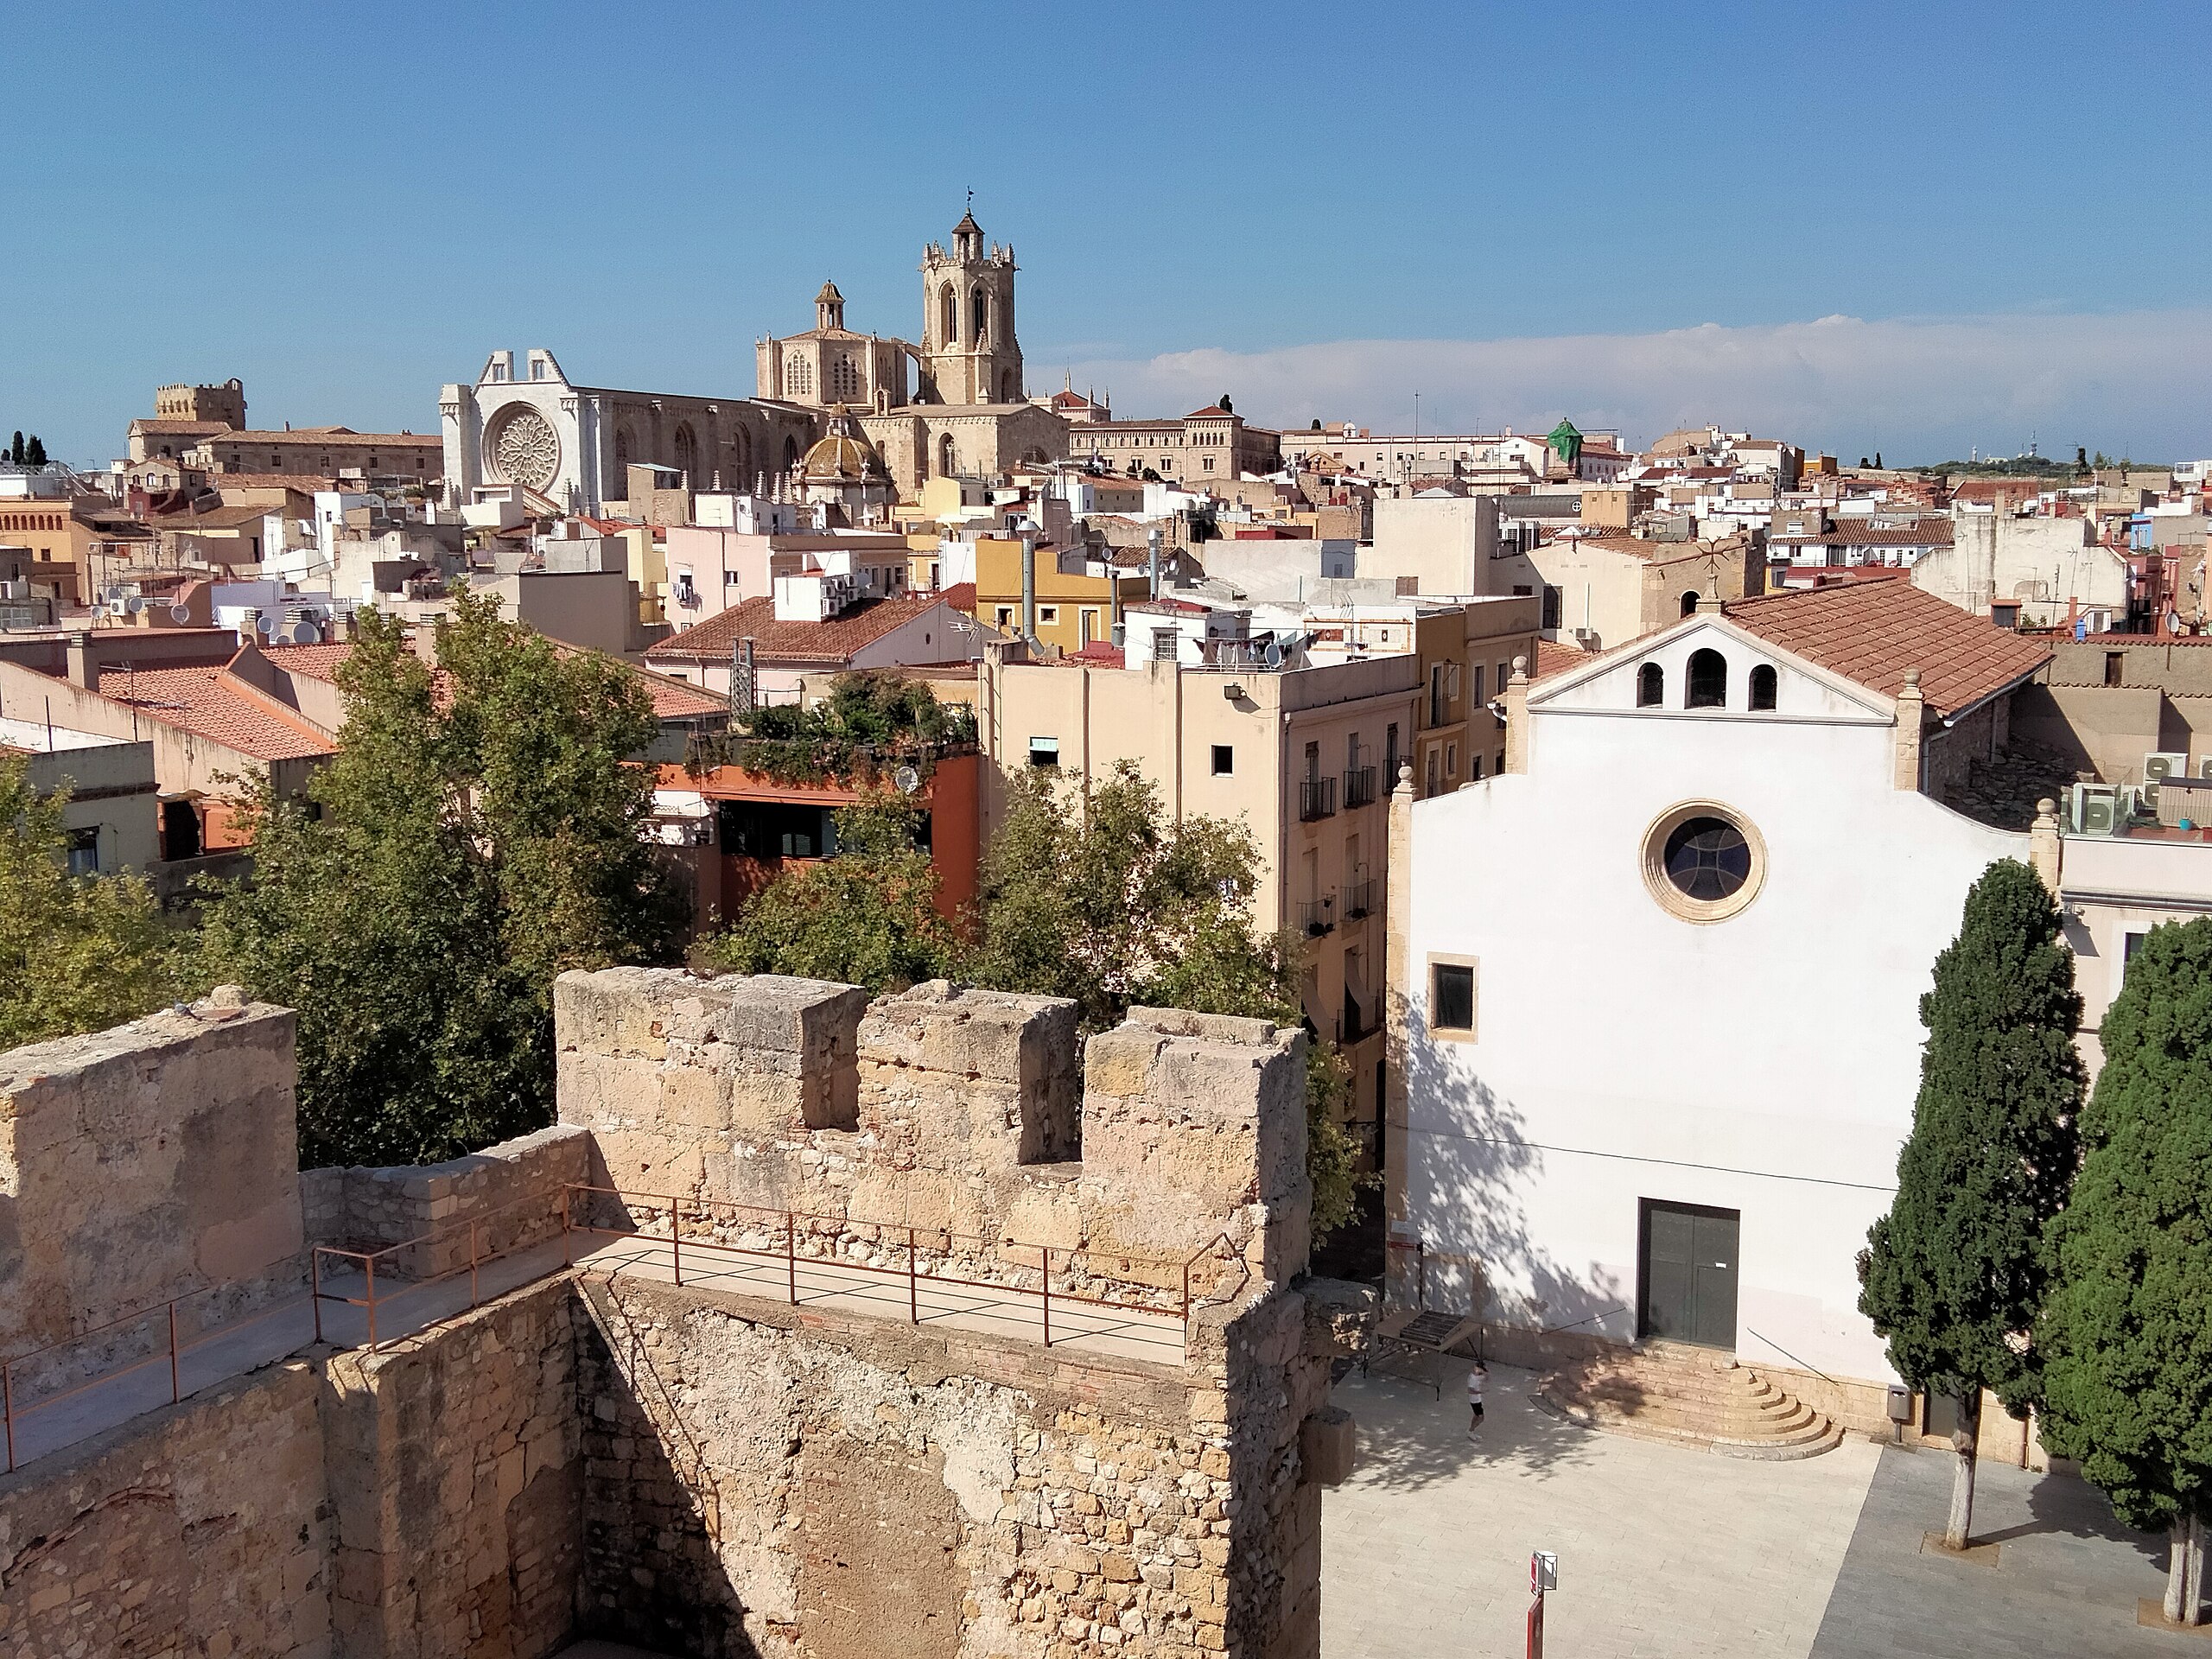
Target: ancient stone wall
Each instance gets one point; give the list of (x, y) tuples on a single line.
[(198, 1529), (762, 1480), (955, 1112), (455, 1481), (513, 1191), (142, 1163)]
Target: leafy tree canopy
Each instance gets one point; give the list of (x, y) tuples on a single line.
[(76, 953), (1953, 1274), (479, 831), (867, 917), (2126, 1331), (867, 723)]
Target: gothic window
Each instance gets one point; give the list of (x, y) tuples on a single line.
[(1708, 681), (798, 376), (622, 456), (790, 454), (1650, 686), (844, 379), (1763, 686), (944, 457), (687, 454), (950, 306), (975, 331)]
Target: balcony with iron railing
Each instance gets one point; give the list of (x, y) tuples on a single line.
[(1316, 798), (1359, 787), (1317, 917), (1358, 899)]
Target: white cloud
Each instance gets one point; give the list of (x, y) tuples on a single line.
[(1919, 389)]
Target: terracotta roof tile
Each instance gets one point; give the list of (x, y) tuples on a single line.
[(1556, 657), (1928, 532), (1872, 631), (834, 641), (214, 703)]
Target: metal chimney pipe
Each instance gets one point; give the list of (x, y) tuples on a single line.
[(1029, 587), (1152, 547)]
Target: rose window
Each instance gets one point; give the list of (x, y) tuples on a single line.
[(526, 450)]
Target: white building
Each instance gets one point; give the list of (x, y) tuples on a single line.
[(1660, 984)]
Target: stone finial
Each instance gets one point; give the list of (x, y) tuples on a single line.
[(1404, 786), (2047, 844), (1516, 717)]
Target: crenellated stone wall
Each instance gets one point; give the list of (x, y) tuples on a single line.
[(716, 1474)]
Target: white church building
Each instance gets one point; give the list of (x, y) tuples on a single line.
[(1656, 1034)]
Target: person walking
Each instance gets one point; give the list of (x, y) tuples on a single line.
[(1477, 1374)]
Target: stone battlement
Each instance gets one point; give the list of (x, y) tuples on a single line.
[(976, 1112)]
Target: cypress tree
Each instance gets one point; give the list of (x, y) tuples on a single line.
[(1953, 1276), (34, 452), (16, 449), (2127, 1330)]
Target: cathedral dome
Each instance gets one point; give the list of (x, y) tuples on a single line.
[(843, 455)]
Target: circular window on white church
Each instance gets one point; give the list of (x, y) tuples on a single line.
[(1702, 861), (523, 449)]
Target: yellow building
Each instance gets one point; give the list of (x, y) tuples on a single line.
[(1303, 756), (1074, 608)]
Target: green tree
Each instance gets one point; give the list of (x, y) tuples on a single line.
[(480, 830), (2126, 1330), (76, 953), (1955, 1274), (865, 917), (34, 452), (868, 724), (1118, 904), (16, 449)]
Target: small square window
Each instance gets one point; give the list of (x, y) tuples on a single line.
[(1047, 615), (1043, 751), (1452, 997), (1225, 759), (2129, 944)]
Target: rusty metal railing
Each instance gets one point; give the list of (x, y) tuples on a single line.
[(1168, 1273), (1155, 1284)]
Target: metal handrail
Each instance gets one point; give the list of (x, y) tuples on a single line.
[(912, 1272), (1793, 1358)]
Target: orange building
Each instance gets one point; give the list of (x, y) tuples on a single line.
[(744, 827)]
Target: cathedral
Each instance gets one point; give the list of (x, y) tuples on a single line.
[(953, 405)]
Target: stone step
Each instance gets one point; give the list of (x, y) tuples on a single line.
[(1693, 1400)]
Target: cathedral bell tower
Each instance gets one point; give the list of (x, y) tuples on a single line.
[(970, 354)]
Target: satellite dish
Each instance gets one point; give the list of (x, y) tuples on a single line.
[(305, 633), (907, 780), (1271, 657), (180, 614), (266, 624)]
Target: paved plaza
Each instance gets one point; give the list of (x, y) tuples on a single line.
[(1666, 1551)]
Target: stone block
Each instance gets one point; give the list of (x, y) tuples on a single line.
[(1328, 1446)]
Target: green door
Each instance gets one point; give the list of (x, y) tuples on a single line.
[(1688, 1274)]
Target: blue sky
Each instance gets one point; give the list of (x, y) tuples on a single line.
[(1631, 215)]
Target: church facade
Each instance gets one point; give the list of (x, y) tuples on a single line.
[(574, 445)]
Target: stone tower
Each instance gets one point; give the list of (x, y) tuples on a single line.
[(970, 354)]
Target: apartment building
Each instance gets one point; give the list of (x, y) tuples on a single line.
[(1301, 752)]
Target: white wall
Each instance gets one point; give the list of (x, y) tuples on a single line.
[(1767, 1063)]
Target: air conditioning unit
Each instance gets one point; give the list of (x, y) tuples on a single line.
[(2096, 809), (2157, 767), (2205, 767)]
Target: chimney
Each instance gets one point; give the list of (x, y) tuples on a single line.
[(249, 627), (83, 671), (1029, 587)]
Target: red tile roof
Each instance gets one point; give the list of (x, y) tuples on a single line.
[(672, 699), (1556, 657), (1928, 532), (1872, 631), (837, 640), (215, 703)]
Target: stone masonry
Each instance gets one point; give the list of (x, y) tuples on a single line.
[(712, 1474)]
